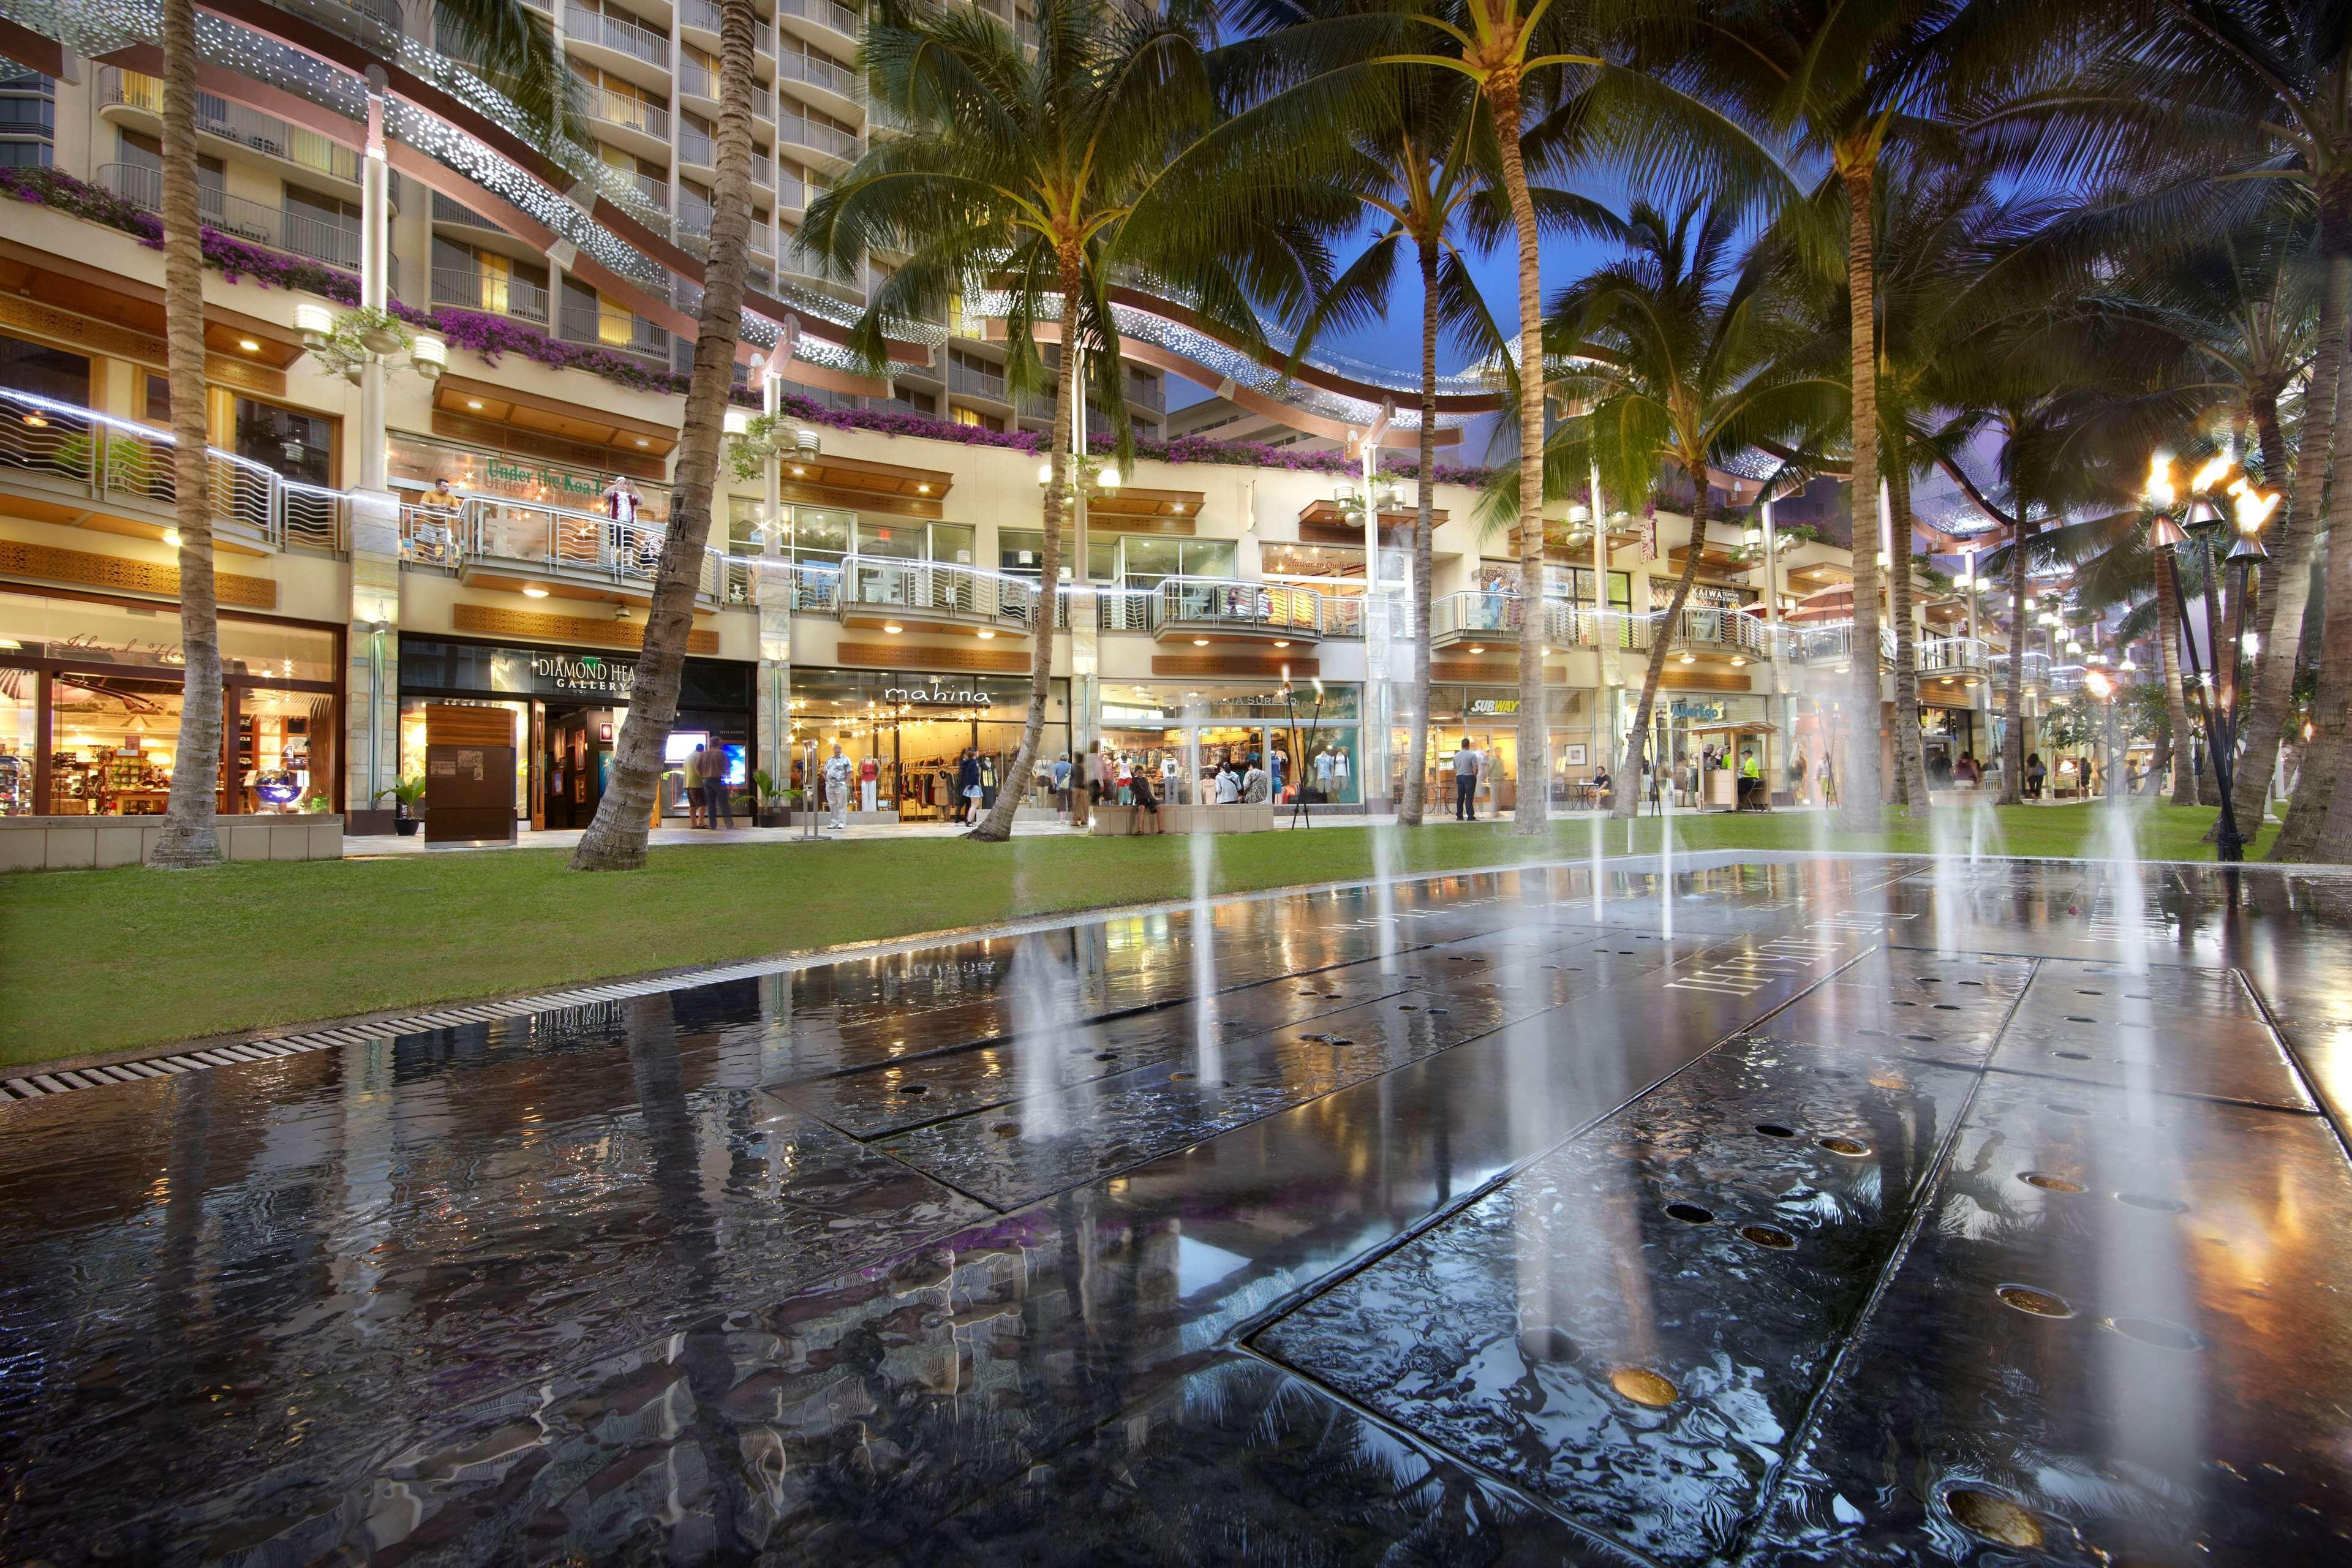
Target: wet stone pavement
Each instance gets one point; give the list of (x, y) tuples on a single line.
[(1828, 1212)]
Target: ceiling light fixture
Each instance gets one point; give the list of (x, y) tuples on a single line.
[(893, 630), (533, 591), (985, 636), (473, 402), (248, 345)]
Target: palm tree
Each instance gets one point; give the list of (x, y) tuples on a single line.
[(1430, 171), (2206, 102), (616, 839), (514, 49), (1685, 354), (1101, 154), (1849, 86)]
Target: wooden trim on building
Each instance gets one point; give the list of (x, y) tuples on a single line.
[(529, 626), (928, 655), (1704, 681), (146, 578), (1213, 664), (109, 340)]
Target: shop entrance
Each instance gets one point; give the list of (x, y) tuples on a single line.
[(577, 760)]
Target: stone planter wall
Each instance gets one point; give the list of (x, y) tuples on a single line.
[(1118, 821), (87, 843)]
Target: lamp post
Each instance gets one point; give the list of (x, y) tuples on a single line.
[(2199, 521)]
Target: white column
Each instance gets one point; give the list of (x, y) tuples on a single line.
[(1372, 748), (775, 589), (376, 268), (1604, 642), (1773, 633)]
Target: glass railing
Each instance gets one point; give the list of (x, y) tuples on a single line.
[(1721, 628), (112, 460), (553, 538), (1940, 655)]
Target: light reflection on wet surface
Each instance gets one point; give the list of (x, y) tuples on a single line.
[(1549, 1240)]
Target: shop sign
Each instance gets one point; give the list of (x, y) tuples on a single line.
[(582, 674), (1494, 707), (937, 696), (1698, 712), (555, 483)]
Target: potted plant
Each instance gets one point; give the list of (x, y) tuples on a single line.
[(768, 801), (406, 796)]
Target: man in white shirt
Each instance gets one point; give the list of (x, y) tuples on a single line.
[(1228, 787), (837, 769), (1467, 764)]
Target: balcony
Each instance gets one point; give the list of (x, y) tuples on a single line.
[(618, 34), (817, 137), (1732, 634), (248, 128), (486, 538), (59, 451), (891, 595), (652, 190), (335, 244), (609, 327), (971, 381), (1833, 644), (1225, 609), (829, 14), (816, 71), (623, 113), (1480, 623), (491, 293), (447, 211), (1951, 656)]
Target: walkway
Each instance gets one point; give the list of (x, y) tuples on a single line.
[(1855, 1210)]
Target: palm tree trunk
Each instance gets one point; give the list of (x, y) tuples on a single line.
[(1629, 780), (188, 838), (2012, 743), (2176, 694), (1910, 745), (1416, 751), (615, 840), (1534, 762), (2287, 577), (1861, 789), (998, 825)]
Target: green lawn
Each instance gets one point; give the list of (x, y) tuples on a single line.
[(92, 961)]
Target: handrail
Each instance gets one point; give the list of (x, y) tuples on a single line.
[(616, 33), (560, 538), (1232, 602), (936, 588), (119, 460)]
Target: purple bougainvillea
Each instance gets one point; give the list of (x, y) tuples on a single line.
[(493, 337)]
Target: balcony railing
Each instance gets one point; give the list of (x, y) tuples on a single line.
[(825, 13), (694, 146), (632, 113), (1472, 617), (934, 590), (611, 328), (446, 210), (1950, 656), (818, 71), (473, 290), (335, 244), (818, 137), (974, 382), (1833, 644), (1721, 630), (618, 33), (1232, 605), (2038, 673), (552, 538), (216, 116), (115, 460)]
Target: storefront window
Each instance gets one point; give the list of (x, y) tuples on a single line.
[(112, 743), (1307, 743), (1144, 562), (820, 534), (914, 726), (898, 540), (19, 737), (285, 748)]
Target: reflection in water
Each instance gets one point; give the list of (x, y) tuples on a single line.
[(688, 1276)]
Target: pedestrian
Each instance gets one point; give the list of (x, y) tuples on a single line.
[(1229, 786), (1062, 786), (1254, 785), (1089, 790), (1147, 804), (836, 786), (716, 801), (1466, 782), (689, 783), (968, 783)]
